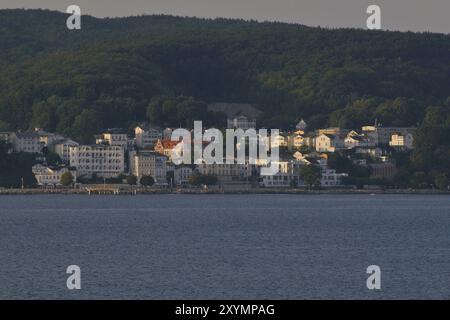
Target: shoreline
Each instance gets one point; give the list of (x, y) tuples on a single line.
[(132, 192)]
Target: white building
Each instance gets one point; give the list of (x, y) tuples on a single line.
[(62, 148), (330, 178), (114, 137), (227, 173), (287, 175), (147, 136), (27, 142), (49, 176), (241, 122), (182, 174), (149, 163), (103, 160), (33, 141)]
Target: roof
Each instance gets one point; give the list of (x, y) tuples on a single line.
[(28, 134)]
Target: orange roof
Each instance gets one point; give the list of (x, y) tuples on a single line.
[(169, 144)]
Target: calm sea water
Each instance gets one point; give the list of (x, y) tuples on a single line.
[(225, 246)]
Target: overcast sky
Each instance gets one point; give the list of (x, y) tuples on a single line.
[(415, 15)]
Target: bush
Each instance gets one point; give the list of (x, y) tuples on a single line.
[(67, 178)]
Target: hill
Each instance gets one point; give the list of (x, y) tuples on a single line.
[(115, 72)]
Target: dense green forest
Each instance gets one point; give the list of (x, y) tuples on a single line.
[(107, 74), (165, 69)]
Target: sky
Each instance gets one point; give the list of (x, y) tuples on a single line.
[(403, 15)]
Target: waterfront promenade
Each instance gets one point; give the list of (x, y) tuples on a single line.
[(127, 190)]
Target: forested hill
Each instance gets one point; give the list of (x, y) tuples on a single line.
[(115, 72)]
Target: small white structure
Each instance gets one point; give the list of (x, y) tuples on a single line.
[(46, 176)]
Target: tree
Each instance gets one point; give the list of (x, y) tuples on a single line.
[(441, 181), (66, 178), (311, 175), (203, 179), (147, 181), (132, 180)]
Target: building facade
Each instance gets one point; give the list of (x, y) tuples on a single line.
[(149, 163), (46, 176), (147, 136), (241, 122), (62, 148), (103, 160)]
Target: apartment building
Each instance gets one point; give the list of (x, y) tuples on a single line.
[(103, 160)]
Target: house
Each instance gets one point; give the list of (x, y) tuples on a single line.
[(383, 134), (241, 122), (330, 139), (46, 176), (62, 148), (279, 141), (146, 136), (355, 139), (114, 137), (166, 146), (402, 141), (296, 141), (103, 160), (149, 163), (328, 142)]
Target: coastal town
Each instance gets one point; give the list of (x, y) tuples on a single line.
[(307, 158)]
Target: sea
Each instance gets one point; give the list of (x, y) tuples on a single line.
[(221, 246)]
